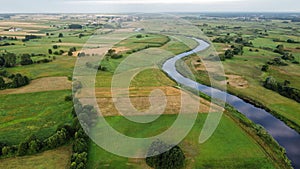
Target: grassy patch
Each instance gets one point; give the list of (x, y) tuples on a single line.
[(229, 147), (52, 159), (32, 113)]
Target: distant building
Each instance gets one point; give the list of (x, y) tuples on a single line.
[(14, 29)]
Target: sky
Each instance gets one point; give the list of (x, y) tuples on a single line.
[(120, 6)]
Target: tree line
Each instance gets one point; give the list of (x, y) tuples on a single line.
[(282, 88), (15, 80)]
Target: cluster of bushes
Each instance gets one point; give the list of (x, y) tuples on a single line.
[(75, 26), (92, 66), (29, 37), (285, 55), (80, 150), (291, 41), (159, 158), (7, 38), (26, 60), (17, 80), (222, 40), (229, 53), (7, 44), (71, 50), (282, 88), (32, 145), (60, 52), (8, 59), (277, 62), (111, 53), (228, 39), (265, 68), (243, 42), (86, 114)]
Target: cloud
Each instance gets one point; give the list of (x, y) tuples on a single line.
[(150, 1)]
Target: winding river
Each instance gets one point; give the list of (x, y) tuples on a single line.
[(284, 135)]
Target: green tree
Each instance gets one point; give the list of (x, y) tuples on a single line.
[(228, 54), (22, 149), (60, 35), (70, 53), (2, 61), (80, 146), (2, 83), (163, 156), (34, 147), (26, 60), (55, 46), (10, 59), (50, 51)]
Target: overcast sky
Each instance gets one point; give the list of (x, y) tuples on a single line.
[(115, 6)]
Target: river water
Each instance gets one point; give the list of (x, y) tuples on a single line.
[(283, 134)]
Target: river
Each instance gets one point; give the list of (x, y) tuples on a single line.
[(283, 134)]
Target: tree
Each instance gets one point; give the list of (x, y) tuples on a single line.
[(22, 149), (1, 146), (80, 145), (265, 68), (70, 53), (9, 59), (50, 51), (279, 49), (2, 83), (60, 35), (2, 61), (19, 80), (75, 26), (228, 54), (55, 46), (26, 60), (139, 36), (159, 158)]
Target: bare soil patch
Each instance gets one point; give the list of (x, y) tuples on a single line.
[(237, 81)]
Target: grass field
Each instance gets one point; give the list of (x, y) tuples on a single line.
[(52, 159), (229, 147), (32, 113)]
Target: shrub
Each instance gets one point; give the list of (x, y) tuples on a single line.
[(174, 158)]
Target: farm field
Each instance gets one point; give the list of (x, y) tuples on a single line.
[(240, 150), (33, 113)]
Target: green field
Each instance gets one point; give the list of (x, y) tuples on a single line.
[(32, 113), (51, 159), (229, 147)]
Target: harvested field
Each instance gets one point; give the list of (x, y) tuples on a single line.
[(42, 84), (139, 98)]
